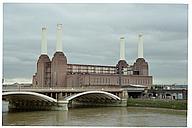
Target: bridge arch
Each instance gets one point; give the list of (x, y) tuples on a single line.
[(93, 96), (14, 96)]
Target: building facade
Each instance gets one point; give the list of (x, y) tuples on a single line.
[(58, 73)]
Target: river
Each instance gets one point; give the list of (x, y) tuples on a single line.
[(99, 116)]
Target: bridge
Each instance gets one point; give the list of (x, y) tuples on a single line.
[(30, 98)]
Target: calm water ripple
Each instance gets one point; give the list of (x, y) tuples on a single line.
[(101, 116)]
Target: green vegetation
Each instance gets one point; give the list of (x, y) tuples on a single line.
[(158, 103)]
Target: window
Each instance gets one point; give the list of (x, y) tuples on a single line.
[(97, 80), (108, 80)]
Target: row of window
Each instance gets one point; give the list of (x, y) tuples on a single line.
[(92, 71), (97, 69), (101, 80), (86, 69), (137, 81), (91, 68), (123, 81)]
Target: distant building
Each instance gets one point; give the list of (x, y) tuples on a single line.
[(174, 92), (58, 73)]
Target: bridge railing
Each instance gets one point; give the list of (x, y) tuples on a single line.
[(83, 88)]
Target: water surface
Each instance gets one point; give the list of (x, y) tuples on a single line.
[(101, 116)]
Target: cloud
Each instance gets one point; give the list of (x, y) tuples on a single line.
[(91, 34)]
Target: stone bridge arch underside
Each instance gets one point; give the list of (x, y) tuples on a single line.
[(27, 96), (28, 101), (93, 97)]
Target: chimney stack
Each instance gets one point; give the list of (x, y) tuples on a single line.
[(140, 46), (59, 38), (44, 41), (122, 48)]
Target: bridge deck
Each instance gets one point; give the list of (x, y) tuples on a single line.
[(68, 89)]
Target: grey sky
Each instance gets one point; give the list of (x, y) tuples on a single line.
[(91, 35)]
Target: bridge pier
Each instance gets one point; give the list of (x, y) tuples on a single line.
[(124, 98), (61, 103), (61, 106)]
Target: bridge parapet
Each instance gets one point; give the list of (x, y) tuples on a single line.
[(63, 89)]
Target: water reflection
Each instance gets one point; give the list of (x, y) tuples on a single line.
[(102, 116)]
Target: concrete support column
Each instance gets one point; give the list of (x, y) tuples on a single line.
[(62, 105), (65, 94), (124, 94), (60, 96), (124, 98), (56, 96)]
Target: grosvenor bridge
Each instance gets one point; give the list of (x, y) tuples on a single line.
[(32, 98)]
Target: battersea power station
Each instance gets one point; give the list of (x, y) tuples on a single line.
[(56, 72)]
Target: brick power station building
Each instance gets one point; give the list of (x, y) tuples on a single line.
[(56, 72)]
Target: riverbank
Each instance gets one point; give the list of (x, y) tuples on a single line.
[(158, 103)]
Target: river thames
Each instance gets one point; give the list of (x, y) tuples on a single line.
[(100, 116)]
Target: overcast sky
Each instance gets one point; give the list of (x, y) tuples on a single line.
[(91, 34)]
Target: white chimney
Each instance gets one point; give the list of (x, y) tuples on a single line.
[(44, 41), (140, 46), (59, 38), (122, 48)]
